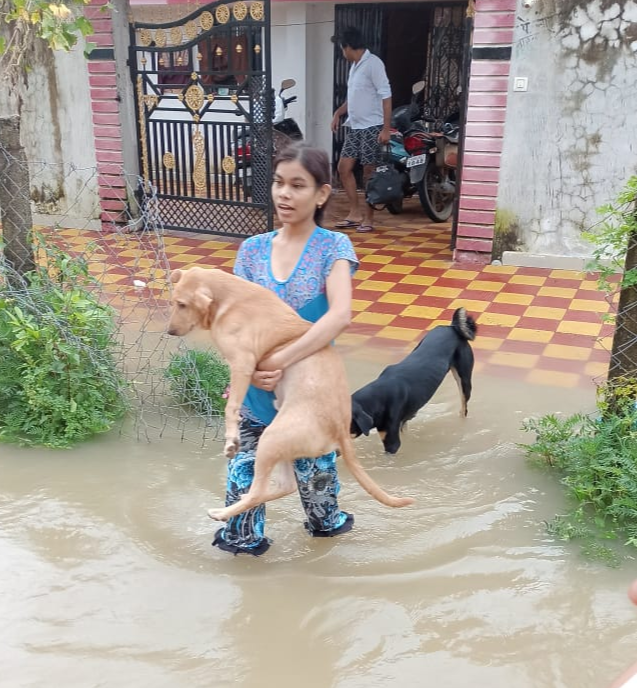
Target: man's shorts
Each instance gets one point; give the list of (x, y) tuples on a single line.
[(362, 145)]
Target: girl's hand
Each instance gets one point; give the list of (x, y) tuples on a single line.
[(266, 379)]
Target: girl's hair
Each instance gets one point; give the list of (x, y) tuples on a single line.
[(314, 161)]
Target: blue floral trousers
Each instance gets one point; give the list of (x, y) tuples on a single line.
[(318, 485)]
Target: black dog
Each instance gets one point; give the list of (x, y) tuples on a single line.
[(401, 390)]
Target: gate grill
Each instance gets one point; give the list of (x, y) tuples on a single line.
[(202, 85), (443, 75)]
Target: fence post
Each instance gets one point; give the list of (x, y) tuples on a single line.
[(623, 361), (15, 198)]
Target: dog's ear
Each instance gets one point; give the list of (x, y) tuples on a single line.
[(176, 275), (362, 419), (204, 303)]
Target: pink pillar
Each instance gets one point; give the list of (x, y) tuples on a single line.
[(107, 128), (484, 132)]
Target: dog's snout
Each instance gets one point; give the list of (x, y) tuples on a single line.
[(172, 331)]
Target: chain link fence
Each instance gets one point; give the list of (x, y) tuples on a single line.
[(124, 268)]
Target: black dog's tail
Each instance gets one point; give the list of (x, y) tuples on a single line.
[(464, 324)]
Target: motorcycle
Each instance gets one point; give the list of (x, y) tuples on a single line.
[(425, 160), (284, 130)]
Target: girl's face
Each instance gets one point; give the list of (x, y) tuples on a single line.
[(296, 194)]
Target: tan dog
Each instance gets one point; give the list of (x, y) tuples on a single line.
[(247, 323)]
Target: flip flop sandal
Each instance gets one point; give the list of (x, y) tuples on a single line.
[(364, 228), (347, 224)]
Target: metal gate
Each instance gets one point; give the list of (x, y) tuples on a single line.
[(445, 54), (204, 117)]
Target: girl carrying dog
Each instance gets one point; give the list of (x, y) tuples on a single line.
[(311, 269)]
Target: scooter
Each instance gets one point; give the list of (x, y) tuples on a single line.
[(284, 130)]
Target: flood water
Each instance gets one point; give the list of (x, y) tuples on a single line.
[(108, 577)]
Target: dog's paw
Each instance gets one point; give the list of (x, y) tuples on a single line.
[(231, 448), (217, 514)]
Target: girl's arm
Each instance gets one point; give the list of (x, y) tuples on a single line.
[(339, 296)]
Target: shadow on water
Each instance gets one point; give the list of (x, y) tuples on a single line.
[(108, 577)]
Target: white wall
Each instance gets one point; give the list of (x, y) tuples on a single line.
[(301, 50), (57, 134), (569, 142)]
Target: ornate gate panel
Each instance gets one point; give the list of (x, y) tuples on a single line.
[(204, 117), (443, 75)]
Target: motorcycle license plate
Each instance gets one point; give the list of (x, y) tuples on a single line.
[(416, 160)]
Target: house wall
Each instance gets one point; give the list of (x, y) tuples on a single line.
[(569, 142), (302, 50), (56, 133)]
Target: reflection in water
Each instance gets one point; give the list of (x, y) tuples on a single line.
[(108, 577)]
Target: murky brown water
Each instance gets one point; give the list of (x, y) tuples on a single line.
[(108, 577)]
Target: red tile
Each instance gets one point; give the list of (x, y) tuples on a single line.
[(551, 302), (538, 323), (561, 365), (506, 308), (516, 347), (528, 289), (581, 340)]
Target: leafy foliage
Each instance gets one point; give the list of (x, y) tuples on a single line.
[(597, 461), (200, 379), (59, 24), (59, 381), (611, 237)]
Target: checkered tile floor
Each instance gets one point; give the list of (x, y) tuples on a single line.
[(541, 326)]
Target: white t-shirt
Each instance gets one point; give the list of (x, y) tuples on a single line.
[(367, 87)]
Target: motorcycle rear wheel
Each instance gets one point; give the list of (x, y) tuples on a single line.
[(437, 205)]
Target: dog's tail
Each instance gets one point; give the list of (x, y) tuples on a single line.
[(464, 324), (355, 468)]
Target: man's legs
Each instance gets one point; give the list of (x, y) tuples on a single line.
[(348, 180)]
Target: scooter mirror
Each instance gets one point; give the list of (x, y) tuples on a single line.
[(418, 87), (287, 83)]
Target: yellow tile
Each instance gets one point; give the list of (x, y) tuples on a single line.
[(406, 334), (604, 344), (500, 269), (551, 378), (589, 285), (186, 258), (443, 292), (483, 285), (486, 343), (224, 254), (513, 360), (363, 274), (596, 369), (520, 299), (574, 327), (522, 334), (373, 318), (399, 269), (375, 285), (396, 297), (461, 274), (545, 312), (418, 279), (351, 339), (527, 279), (568, 274), (360, 305), (470, 305), (375, 258), (216, 245), (557, 292), (499, 319), (572, 353), (590, 306), (130, 253), (422, 312), (438, 263)]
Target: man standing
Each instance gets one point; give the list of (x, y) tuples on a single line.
[(368, 107)]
